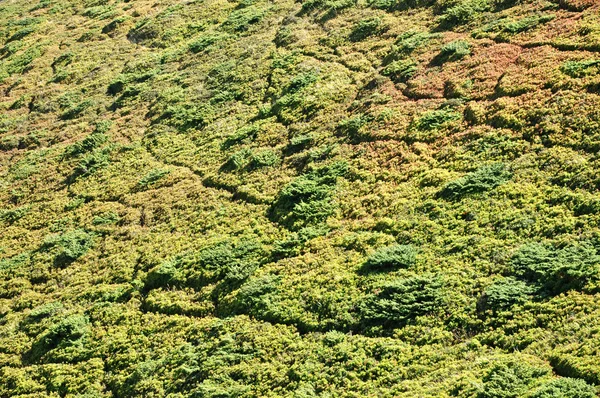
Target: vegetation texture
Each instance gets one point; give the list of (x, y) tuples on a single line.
[(300, 198)]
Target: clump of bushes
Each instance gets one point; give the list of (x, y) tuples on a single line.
[(367, 27), (436, 119), (69, 246), (409, 42), (390, 257), (504, 294), (510, 379), (578, 69), (481, 180), (63, 334), (454, 51), (228, 263), (240, 20), (307, 200), (556, 269), (89, 143), (398, 302), (152, 177), (205, 41), (565, 387), (400, 71), (463, 12)]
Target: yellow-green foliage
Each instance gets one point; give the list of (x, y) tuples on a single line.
[(336, 198)]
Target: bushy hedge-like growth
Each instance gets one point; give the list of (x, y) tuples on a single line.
[(307, 200), (482, 180), (389, 257), (398, 302), (557, 269)]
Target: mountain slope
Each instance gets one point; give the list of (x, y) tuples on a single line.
[(321, 198)]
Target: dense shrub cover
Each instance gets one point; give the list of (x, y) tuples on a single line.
[(300, 198)]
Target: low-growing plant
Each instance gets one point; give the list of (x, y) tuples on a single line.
[(482, 180), (391, 257), (69, 246), (396, 303), (152, 177), (557, 269), (503, 294), (367, 27), (436, 119), (401, 71), (454, 51), (307, 200)]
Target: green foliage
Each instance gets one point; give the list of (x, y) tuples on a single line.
[(503, 294), (307, 200), (20, 63), (557, 269), (396, 303), (454, 51), (409, 42), (509, 380), (240, 20), (365, 28), (578, 69), (206, 41), (69, 246), (481, 180), (63, 334), (400, 71), (463, 12), (434, 120), (88, 144), (390, 257), (527, 23), (565, 388), (152, 177)]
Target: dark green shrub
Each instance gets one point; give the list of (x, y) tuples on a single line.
[(63, 334), (527, 23), (509, 380), (365, 28), (243, 135), (21, 62), (254, 297), (401, 71), (464, 12), (557, 269), (503, 294), (113, 25), (329, 6), (392, 5), (354, 127), (389, 257), (482, 180), (152, 177), (398, 302), (306, 200), (90, 163), (240, 20), (262, 158), (434, 120), (164, 275), (105, 219), (577, 69), (69, 246), (409, 42), (88, 144), (205, 41), (21, 33), (77, 110), (565, 387), (454, 51)]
